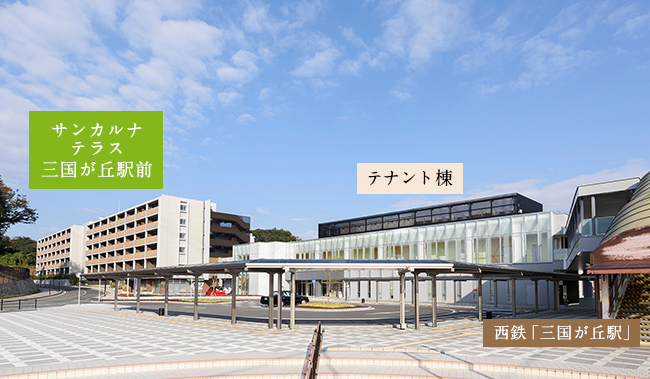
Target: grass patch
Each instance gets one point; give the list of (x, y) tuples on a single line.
[(204, 300), (327, 306), (24, 294)]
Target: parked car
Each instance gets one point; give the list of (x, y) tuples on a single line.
[(286, 299), (215, 291)]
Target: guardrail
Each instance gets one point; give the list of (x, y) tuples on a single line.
[(6, 304), (310, 370)]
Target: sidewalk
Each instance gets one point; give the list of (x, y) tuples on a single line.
[(93, 337)]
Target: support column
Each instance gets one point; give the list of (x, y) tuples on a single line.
[(597, 295), (496, 293), (416, 298), (114, 294), (270, 300), (514, 298), (548, 296), (402, 293), (605, 297), (556, 296), (279, 322), (536, 296), (233, 298), (166, 297), (434, 301), (413, 291), (196, 297), (453, 282), (377, 291), (292, 313), (479, 289), (345, 289), (137, 295)]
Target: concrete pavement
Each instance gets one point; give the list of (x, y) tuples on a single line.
[(68, 339)]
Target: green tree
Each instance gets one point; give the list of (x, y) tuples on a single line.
[(14, 208), (270, 235), (17, 251)]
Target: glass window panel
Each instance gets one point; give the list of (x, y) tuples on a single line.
[(358, 226), (443, 289), (532, 248), (480, 251), (461, 251), (506, 243), (495, 250), (500, 202), (374, 223), (440, 214), (406, 219), (506, 209), (586, 227), (543, 247), (390, 222), (423, 217), (451, 250), (441, 250)]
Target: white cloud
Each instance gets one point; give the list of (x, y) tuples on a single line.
[(263, 211), (558, 195), (310, 235), (95, 210), (14, 134), (401, 95), (244, 69), (245, 118), (635, 26), (299, 219), (265, 94), (421, 28), (555, 51), (229, 98), (321, 64)]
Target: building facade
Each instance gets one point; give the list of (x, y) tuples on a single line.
[(510, 230), (61, 252), (165, 231)]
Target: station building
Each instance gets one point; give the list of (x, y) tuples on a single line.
[(508, 230)]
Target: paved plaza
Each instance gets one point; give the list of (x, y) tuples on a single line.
[(93, 335)]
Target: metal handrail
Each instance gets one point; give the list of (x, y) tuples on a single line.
[(310, 371), (19, 301)]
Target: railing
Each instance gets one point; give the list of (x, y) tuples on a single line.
[(6, 304), (310, 370)]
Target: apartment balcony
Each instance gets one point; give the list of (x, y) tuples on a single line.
[(128, 257), (139, 255), (152, 211), (140, 228), (152, 239), (103, 249), (129, 218), (152, 225), (119, 245), (151, 254)]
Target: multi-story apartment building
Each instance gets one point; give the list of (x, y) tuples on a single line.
[(165, 231), (61, 252)]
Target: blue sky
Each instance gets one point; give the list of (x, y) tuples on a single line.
[(268, 107)]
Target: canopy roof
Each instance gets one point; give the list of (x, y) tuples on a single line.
[(284, 265)]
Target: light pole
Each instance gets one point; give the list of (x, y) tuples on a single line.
[(99, 291), (79, 292)]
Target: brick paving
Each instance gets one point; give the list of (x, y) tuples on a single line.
[(93, 335)]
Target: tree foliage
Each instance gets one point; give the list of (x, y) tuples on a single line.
[(14, 208), (17, 251), (270, 235)]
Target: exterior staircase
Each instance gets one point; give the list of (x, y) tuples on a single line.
[(636, 303)]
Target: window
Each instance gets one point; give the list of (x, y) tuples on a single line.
[(183, 221), (181, 250), (443, 287), (183, 207), (181, 236)]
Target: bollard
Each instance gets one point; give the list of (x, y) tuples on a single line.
[(35, 303), (2, 304), (19, 304)]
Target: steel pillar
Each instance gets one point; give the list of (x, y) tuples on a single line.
[(233, 298), (270, 300)]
